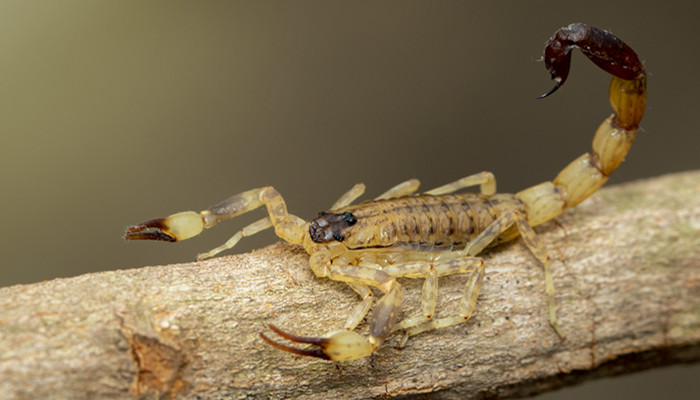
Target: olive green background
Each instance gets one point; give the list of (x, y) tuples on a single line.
[(112, 113)]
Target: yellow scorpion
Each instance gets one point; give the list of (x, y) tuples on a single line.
[(437, 233)]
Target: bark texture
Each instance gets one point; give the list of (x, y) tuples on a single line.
[(626, 270)]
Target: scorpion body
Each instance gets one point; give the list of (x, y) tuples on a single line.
[(445, 220), (437, 233)]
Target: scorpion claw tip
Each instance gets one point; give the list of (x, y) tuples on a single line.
[(154, 235), (316, 352), (299, 339), (149, 230), (552, 90)]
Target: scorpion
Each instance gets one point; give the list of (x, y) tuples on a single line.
[(401, 234)]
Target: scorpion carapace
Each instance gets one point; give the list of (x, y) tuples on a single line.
[(438, 233)]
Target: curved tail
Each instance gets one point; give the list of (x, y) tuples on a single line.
[(585, 175)]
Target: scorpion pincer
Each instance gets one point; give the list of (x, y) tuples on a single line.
[(440, 232)]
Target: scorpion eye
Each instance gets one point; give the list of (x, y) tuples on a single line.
[(348, 218)]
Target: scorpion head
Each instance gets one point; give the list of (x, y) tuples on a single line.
[(330, 226)]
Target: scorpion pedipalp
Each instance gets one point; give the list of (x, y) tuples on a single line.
[(142, 232), (173, 228), (341, 345), (316, 352)]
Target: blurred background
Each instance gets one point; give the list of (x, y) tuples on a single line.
[(112, 113)]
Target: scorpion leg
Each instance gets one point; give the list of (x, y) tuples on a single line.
[(428, 301), (499, 226), (187, 224), (359, 278), (538, 250), (395, 270), (360, 274), (485, 180), (466, 306), (349, 196), (422, 267), (431, 272), (402, 189), (422, 264), (249, 230), (491, 233), (361, 309), (348, 345)]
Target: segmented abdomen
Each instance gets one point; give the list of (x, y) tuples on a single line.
[(450, 219)]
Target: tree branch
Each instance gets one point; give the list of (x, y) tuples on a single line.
[(626, 270)]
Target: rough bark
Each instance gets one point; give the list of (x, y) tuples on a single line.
[(626, 269)]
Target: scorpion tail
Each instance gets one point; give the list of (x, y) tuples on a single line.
[(585, 175)]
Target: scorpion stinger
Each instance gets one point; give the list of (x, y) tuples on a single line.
[(605, 50), (371, 245)]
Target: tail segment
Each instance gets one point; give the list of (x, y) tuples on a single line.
[(585, 175)]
